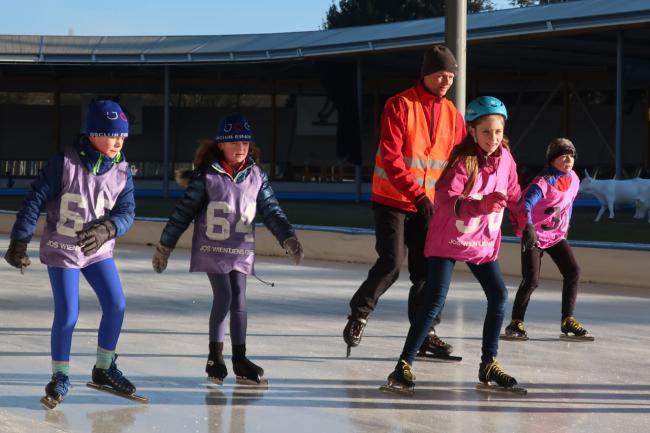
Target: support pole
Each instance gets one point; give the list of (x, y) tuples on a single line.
[(619, 105), (166, 134), (456, 41), (357, 167)]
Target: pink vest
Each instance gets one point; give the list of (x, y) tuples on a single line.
[(551, 214), (471, 239)]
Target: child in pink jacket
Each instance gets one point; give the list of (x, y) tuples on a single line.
[(478, 182)]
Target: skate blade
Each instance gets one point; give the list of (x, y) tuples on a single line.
[(437, 357), (241, 380), (519, 390), (349, 350), (394, 388), (108, 389), (576, 337), (49, 403), (215, 380), (507, 337)]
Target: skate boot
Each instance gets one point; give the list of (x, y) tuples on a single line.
[(492, 372), (112, 378), (55, 390), (515, 331), (571, 325), (434, 347), (216, 367), (401, 380), (247, 373), (354, 330)]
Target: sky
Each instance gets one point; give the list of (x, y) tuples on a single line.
[(163, 17)]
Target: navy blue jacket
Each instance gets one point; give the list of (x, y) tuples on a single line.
[(195, 201), (47, 187)]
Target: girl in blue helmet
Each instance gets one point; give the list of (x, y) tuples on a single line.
[(479, 181)]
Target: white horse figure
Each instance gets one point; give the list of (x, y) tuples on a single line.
[(611, 192)]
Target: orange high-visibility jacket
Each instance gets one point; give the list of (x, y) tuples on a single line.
[(424, 160)]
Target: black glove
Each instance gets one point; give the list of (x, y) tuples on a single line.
[(17, 256), (424, 206), (294, 249), (92, 238), (160, 257), (528, 238)]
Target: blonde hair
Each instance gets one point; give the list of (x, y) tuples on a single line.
[(468, 149)]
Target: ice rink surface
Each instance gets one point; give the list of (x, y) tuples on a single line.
[(294, 333)]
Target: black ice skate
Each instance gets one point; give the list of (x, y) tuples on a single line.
[(503, 382), (434, 348), (112, 380), (247, 373), (515, 331), (354, 330), (401, 380), (216, 367), (571, 326), (55, 390)]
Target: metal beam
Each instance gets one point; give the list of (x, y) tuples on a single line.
[(357, 167), (166, 134), (619, 105), (456, 40)]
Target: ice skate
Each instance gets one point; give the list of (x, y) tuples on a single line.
[(571, 326), (401, 380), (515, 331), (354, 330), (246, 372), (112, 380), (55, 390), (434, 348), (216, 367), (503, 382)]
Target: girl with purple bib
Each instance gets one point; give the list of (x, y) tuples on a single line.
[(225, 192), (548, 202), (478, 182), (87, 192)]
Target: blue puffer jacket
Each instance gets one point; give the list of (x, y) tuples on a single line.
[(195, 201), (47, 187)]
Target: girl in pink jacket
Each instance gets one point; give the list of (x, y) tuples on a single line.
[(479, 181)]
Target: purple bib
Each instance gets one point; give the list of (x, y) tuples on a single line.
[(551, 213), (84, 198), (224, 233)]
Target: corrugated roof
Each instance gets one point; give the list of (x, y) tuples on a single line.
[(549, 19)]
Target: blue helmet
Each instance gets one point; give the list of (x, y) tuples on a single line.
[(483, 106)]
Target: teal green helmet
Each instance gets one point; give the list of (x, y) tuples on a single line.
[(484, 106)]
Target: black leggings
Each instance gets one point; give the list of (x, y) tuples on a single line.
[(531, 262)]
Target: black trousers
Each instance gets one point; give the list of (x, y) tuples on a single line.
[(531, 262), (396, 232)]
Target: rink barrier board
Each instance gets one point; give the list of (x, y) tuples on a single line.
[(623, 264)]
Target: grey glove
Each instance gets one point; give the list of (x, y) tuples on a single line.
[(17, 256), (294, 249), (96, 235), (160, 257), (528, 238), (424, 206)]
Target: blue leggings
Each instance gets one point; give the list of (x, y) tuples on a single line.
[(438, 280), (229, 294), (105, 281)]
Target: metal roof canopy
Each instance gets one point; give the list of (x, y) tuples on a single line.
[(505, 24)]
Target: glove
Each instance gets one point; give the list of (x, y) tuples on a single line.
[(17, 256), (294, 249), (528, 238), (160, 257), (493, 202), (92, 238), (424, 206)]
